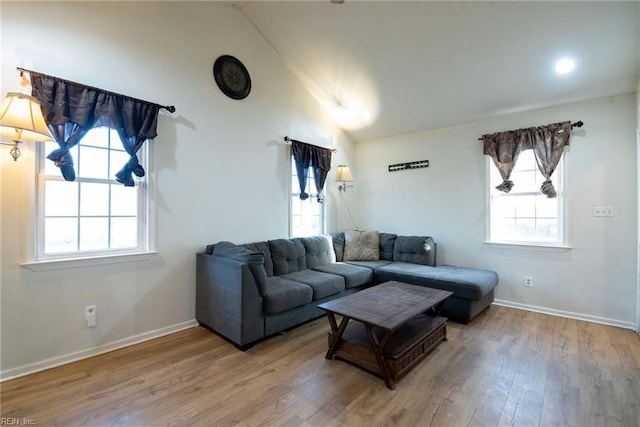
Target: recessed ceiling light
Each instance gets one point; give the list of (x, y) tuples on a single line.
[(565, 66)]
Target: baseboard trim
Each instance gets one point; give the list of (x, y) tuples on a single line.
[(568, 314), (32, 368)]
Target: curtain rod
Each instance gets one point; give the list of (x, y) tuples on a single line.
[(169, 108), (288, 140), (577, 124)]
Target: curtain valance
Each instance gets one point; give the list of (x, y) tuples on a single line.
[(71, 109), (547, 143), (311, 156)]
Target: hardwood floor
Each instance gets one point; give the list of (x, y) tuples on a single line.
[(508, 367)]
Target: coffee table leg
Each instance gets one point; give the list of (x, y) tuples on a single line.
[(337, 334), (377, 348)]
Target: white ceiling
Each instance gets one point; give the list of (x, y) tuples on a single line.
[(388, 68)]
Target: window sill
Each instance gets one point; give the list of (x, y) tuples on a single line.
[(529, 246), (61, 264)]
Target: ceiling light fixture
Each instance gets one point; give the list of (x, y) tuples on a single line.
[(565, 66)]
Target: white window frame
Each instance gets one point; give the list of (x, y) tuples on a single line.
[(294, 192), (38, 260), (560, 184)]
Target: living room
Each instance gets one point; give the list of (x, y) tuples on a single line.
[(221, 172)]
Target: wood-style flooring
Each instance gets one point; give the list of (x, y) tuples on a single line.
[(507, 367)]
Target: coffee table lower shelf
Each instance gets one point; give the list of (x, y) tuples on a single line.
[(408, 345)]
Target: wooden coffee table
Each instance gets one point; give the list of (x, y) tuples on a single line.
[(395, 326)]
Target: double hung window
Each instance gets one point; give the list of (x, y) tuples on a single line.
[(93, 215), (525, 215), (306, 216)]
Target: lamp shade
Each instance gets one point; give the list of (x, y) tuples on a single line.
[(21, 119), (343, 174)]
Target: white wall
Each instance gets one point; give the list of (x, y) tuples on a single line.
[(219, 167), (595, 280), (638, 165)]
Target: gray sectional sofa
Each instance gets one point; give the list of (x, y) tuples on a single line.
[(251, 291)]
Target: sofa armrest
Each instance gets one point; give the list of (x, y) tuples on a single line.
[(228, 299)]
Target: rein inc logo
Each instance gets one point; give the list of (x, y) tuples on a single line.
[(6, 421)]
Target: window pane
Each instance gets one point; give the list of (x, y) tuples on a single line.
[(124, 233), (546, 207), (526, 206), (97, 137), (93, 163), (525, 229), (524, 181), (526, 161), (547, 230), (124, 200), (296, 206), (61, 198), (61, 235), (504, 229), (504, 207), (118, 160), (310, 207), (94, 199), (94, 234)]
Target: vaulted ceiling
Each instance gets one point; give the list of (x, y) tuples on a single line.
[(386, 68)]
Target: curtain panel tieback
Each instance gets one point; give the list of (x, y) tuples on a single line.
[(308, 156), (547, 143), (71, 109), (124, 175)]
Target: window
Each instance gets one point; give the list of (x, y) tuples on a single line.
[(307, 216), (524, 215), (93, 215)]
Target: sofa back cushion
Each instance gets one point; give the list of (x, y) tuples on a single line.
[(319, 250), (338, 245), (288, 256), (415, 249), (264, 248), (255, 261), (387, 243)]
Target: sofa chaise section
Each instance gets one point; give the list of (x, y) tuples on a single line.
[(472, 288)]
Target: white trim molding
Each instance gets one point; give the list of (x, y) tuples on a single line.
[(567, 314), (32, 368)]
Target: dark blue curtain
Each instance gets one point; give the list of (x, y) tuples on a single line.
[(72, 109), (311, 156)]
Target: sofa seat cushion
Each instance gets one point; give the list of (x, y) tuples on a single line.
[(284, 294), (374, 265), (354, 275), (468, 283), (323, 284)]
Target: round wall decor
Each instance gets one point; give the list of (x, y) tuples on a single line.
[(232, 77)]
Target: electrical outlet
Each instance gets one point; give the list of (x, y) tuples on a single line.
[(528, 281), (90, 316)]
